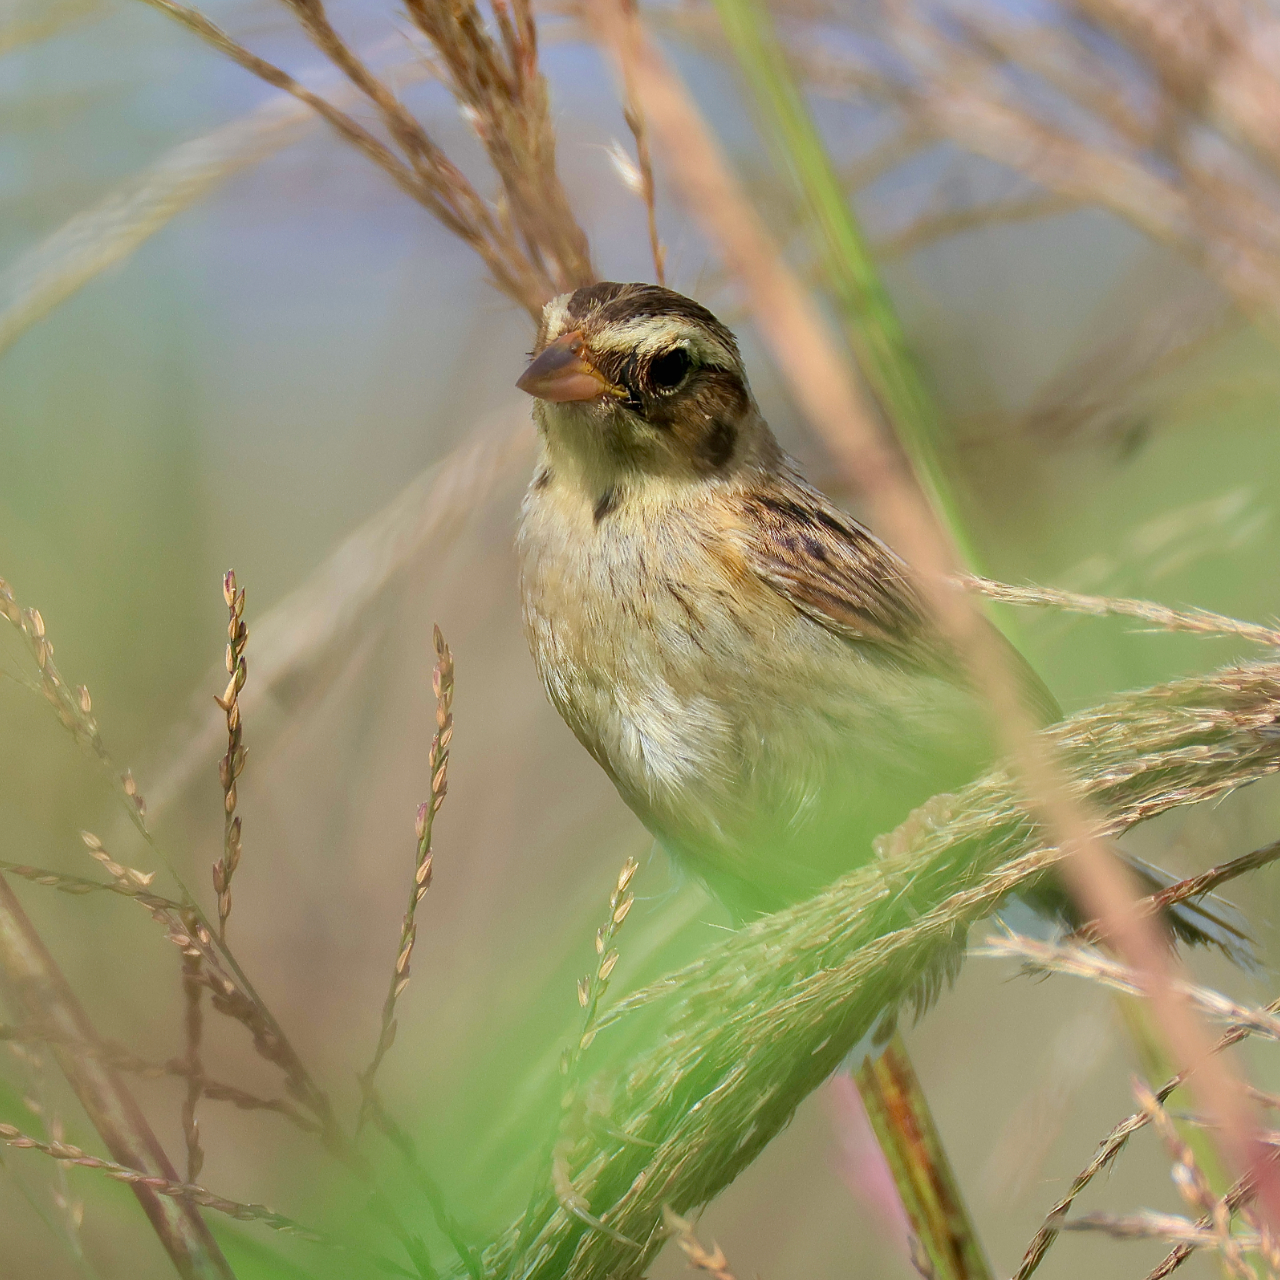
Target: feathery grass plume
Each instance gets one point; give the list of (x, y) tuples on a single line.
[(740, 1037), (572, 1117), (592, 987), (232, 764), (424, 824), (530, 242), (700, 1258)]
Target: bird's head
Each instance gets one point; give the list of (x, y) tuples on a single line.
[(634, 380)]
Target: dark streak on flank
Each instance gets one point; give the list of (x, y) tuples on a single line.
[(608, 502), (542, 479), (696, 624)]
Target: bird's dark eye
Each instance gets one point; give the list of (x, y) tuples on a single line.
[(669, 370)]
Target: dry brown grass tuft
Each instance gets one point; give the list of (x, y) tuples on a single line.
[(527, 237)]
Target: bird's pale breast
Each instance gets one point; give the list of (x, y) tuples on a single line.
[(751, 740)]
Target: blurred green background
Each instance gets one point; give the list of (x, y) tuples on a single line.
[(266, 373)]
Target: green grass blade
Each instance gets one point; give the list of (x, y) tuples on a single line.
[(874, 330)]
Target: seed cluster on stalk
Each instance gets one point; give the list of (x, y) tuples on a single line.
[(232, 764)]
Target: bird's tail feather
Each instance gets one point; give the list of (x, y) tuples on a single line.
[(1204, 921)]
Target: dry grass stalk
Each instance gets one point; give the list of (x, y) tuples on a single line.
[(1197, 886), (1181, 144), (1079, 961), (107, 232), (193, 1025), (120, 1059), (185, 1192), (739, 1038), (824, 388), (39, 993), (72, 705), (305, 629), (710, 1260), (232, 764), (1109, 1149), (438, 763), (529, 241), (1196, 621), (1262, 1241), (77, 886), (1193, 1186), (1213, 1230), (1147, 1224), (642, 183), (192, 990), (185, 926), (36, 1100)]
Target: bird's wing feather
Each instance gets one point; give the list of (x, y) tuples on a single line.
[(844, 578)]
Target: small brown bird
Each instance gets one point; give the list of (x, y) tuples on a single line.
[(753, 668)]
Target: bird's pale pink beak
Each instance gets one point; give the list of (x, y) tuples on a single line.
[(560, 373)]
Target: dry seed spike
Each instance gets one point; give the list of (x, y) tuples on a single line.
[(424, 820), (232, 763)]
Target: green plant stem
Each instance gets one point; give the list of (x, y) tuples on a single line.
[(874, 330), (900, 1115)]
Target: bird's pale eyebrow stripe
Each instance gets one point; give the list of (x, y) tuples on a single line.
[(649, 335)]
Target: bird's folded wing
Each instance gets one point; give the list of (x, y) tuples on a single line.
[(844, 578)]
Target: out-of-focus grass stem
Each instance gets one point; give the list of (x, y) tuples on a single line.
[(913, 1148), (872, 324)]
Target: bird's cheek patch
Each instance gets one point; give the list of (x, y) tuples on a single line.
[(719, 443)]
